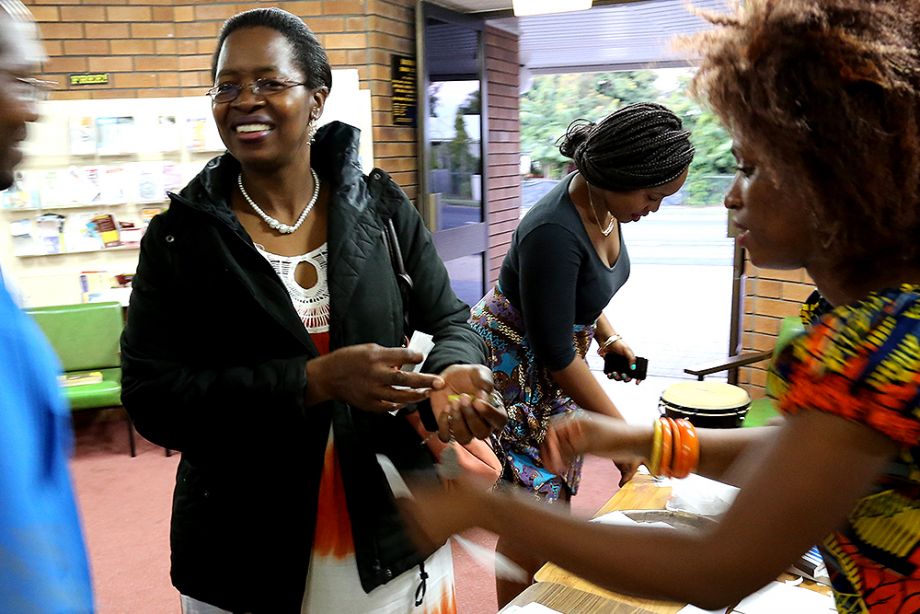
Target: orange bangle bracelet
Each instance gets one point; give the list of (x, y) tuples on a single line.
[(693, 445), (655, 460), (676, 450), (682, 458), (667, 446)]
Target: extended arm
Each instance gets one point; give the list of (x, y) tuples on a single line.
[(772, 521), (614, 439), (459, 354), (434, 307)]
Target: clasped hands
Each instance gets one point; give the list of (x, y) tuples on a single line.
[(434, 514), (369, 377)]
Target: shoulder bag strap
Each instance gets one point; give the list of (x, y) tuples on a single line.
[(403, 279)]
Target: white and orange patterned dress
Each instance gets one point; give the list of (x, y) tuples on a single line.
[(333, 584)]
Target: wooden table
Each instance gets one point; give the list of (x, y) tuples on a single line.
[(641, 493), (567, 599)]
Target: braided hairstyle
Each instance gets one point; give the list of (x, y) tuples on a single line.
[(830, 91), (639, 146)]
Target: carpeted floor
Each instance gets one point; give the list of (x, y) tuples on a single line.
[(125, 504)]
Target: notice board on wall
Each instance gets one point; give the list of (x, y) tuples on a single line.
[(405, 102)]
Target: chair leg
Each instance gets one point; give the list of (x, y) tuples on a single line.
[(131, 437)]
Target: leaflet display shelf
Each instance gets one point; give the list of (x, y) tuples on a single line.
[(96, 171)]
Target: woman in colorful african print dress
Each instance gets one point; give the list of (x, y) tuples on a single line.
[(567, 259), (822, 98)]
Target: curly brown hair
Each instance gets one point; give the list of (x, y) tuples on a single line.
[(830, 90)]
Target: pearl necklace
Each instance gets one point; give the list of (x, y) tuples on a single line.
[(275, 224), (604, 231)]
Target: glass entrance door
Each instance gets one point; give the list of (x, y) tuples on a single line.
[(453, 143)]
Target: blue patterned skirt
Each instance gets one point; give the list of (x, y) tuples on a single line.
[(530, 394)]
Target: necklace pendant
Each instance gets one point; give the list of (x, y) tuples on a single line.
[(272, 222)]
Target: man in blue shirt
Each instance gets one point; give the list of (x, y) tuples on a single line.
[(43, 566)]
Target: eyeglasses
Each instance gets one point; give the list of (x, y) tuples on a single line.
[(28, 90), (228, 92)]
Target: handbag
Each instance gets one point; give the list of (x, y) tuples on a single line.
[(475, 458)]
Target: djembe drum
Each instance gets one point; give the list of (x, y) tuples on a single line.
[(706, 404)]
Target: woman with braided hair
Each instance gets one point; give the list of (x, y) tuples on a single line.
[(822, 98), (567, 260)]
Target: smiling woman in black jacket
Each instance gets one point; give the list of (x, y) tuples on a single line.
[(263, 343)]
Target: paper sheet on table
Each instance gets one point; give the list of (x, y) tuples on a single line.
[(619, 518), (699, 495), (779, 597), (530, 608), (692, 609)]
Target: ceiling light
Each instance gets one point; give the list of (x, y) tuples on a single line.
[(544, 7)]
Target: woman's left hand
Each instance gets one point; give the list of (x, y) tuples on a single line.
[(464, 407)]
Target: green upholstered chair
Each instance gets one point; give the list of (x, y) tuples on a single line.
[(761, 410), (86, 338)]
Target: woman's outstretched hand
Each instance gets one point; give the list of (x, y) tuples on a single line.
[(574, 435), (368, 377), (465, 407)]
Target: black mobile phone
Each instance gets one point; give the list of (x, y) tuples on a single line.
[(617, 363)]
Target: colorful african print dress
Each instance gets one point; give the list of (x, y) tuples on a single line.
[(862, 362), (530, 395)]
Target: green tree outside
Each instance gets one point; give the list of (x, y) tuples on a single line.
[(555, 101), (463, 162)]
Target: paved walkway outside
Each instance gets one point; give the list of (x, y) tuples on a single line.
[(675, 308)]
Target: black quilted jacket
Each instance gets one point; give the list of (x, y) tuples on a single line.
[(214, 366)]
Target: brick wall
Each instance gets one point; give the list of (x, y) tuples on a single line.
[(503, 175), (162, 48), (770, 295)]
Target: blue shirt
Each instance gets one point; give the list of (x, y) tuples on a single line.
[(43, 565)]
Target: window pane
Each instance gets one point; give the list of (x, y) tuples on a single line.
[(466, 277), (456, 161)]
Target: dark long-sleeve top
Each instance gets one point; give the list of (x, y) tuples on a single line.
[(554, 276)]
